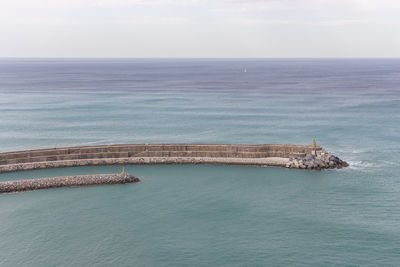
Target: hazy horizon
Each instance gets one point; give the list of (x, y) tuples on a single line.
[(205, 58), (200, 29)]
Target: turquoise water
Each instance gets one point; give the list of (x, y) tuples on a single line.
[(206, 215)]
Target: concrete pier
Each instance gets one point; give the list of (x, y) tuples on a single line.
[(66, 181), (261, 155)]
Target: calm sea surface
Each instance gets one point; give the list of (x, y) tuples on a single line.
[(206, 215)]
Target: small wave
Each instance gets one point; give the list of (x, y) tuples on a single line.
[(368, 165), (105, 141), (352, 151), (390, 163), (360, 165)]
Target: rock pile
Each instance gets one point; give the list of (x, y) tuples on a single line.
[(317, 160), (66, 181), (271, 161)]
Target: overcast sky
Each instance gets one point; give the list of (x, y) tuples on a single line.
[(200, 28)]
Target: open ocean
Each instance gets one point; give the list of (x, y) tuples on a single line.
[(206, 215)]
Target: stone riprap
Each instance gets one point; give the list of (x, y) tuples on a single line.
[(66, 181), (262, 155), (317, 160), (145, 161)]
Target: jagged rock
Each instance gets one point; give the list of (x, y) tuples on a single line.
[(66, 181), (317, 161)]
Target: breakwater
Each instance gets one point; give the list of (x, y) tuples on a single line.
[(317, 161), (262, 155), (66, 181)]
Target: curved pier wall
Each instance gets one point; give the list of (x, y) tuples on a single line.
[(154, 150), (142, 153)]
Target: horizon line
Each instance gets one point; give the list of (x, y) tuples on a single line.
[(199, 58)]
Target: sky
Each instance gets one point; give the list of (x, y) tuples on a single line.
[(200, 28)]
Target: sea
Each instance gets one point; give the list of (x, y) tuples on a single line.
[(205, 215)]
